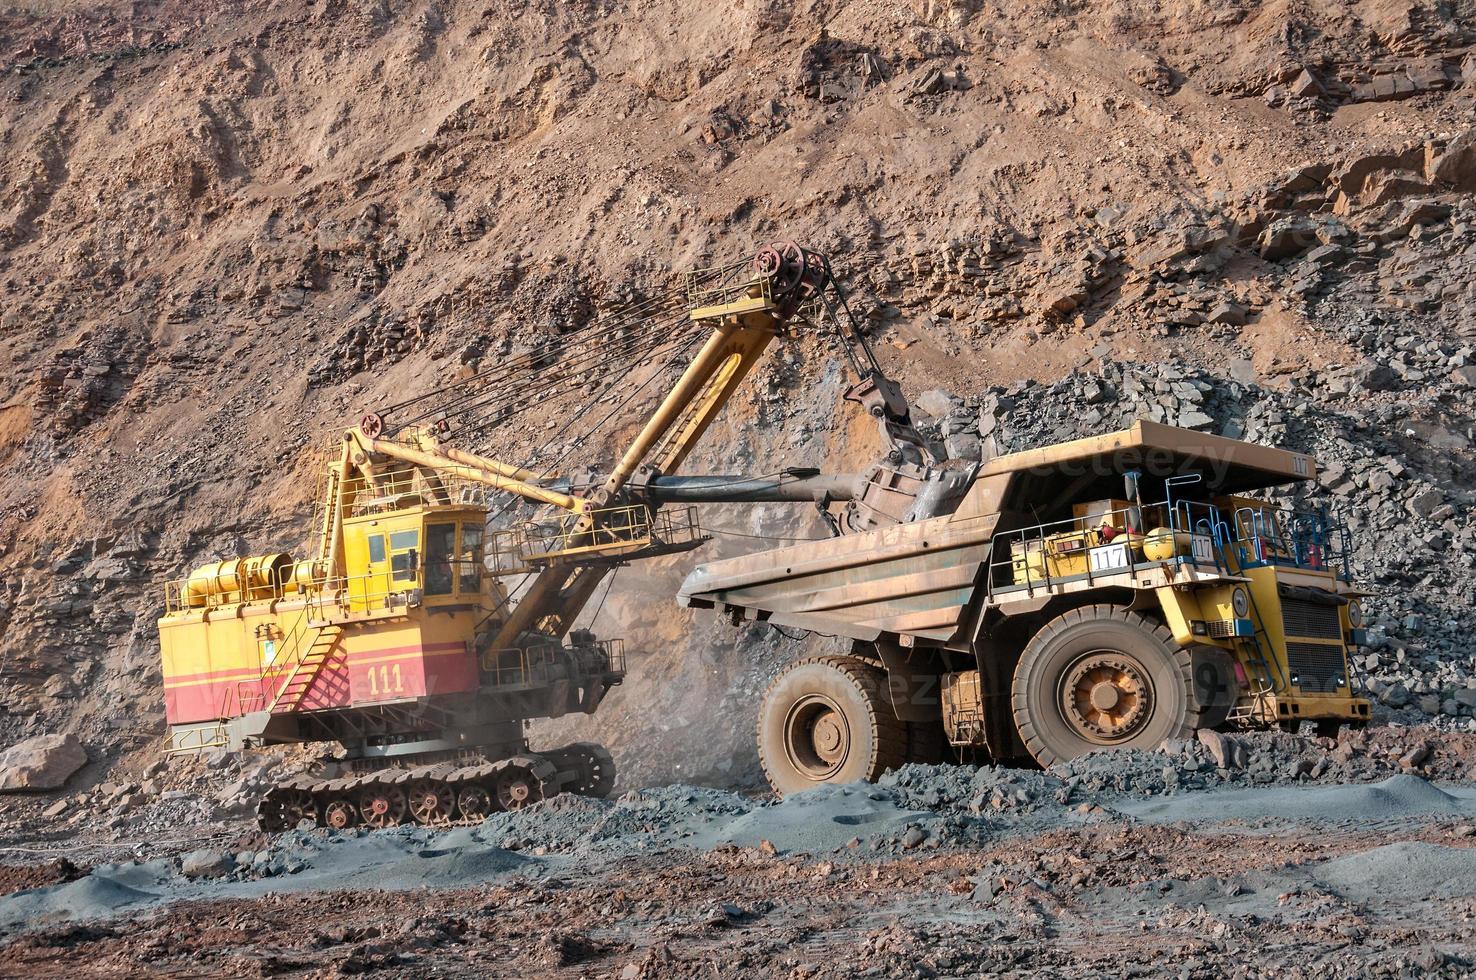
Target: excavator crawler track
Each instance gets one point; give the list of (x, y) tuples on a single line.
[(444, 794)]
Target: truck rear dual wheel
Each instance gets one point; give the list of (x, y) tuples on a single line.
[(1102, 677), (828, 720)]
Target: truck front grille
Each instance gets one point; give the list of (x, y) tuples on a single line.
[(1310, 619), (1317, 666)]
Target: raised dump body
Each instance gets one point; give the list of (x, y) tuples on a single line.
[(1105, 592)]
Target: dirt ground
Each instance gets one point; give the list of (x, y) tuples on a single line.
[(742, 912), (938, 871), (236, 227)]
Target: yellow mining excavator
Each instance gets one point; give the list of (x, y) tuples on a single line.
[(424, 642)]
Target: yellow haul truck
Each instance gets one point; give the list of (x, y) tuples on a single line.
[(1109, 592)]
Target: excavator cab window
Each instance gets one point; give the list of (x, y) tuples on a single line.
[(376, 548), (469, 563), (404, 558), (440, 542)]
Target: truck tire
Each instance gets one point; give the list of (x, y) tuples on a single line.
[(828, 720), (1101, 677), (927, 743)]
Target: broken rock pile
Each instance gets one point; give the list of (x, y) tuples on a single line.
[(1211, 760)]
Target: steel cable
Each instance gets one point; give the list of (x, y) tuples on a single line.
[(618, 361), (591, 331)]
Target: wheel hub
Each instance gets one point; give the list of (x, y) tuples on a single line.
[(383, 806), (817, 737), (298, 807), (339, 815), (431, 801), (474, 802), (1106, 697), (828, 735)]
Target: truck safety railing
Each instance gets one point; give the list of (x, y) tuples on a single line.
[(1255, 535), (537, 666), (1108, 543), (618, 532), (1270, 535)]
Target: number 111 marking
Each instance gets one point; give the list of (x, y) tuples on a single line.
[(381, 684)]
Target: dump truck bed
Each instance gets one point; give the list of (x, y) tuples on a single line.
[(917, 579)]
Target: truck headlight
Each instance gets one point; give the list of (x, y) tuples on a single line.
[(1355, 614), (1240, 602)]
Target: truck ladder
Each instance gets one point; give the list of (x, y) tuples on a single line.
[(1255, 703)]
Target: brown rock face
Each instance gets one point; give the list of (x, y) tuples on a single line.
[(228, 230), (43, 762)]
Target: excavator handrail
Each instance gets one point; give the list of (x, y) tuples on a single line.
[(616, 532)]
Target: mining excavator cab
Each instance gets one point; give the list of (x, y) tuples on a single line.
[(430, 555)]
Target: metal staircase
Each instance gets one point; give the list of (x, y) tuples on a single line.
[(314, 648)]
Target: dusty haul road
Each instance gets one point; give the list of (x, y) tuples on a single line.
[(1245, 857)]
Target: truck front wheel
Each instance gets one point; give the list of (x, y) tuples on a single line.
[(1101, 677), (827, 720)]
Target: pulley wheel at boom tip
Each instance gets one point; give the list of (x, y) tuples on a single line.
[(767, 262), (815, 270), (792, 267)]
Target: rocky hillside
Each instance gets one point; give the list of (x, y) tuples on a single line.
[(228, 228)]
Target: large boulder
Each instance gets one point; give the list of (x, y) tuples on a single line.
[(1456, 167), (206, 864), (43, 762), (1287, 237)]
